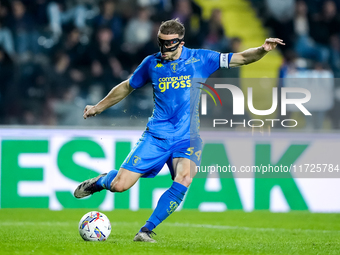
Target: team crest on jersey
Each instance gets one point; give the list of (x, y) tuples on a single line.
[(158, 65), (136, 160), (174, 67)]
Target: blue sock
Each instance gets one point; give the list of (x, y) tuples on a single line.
[(105, 181), (167, 204)]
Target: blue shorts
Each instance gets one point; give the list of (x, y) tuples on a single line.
[(151, 153)]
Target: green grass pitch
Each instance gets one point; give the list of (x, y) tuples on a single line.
[(40, 231)]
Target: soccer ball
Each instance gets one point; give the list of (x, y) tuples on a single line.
[(94, 226)]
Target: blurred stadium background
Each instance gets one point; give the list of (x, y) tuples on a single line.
[(57, 56)]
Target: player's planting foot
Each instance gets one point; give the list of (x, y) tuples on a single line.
[(88, 187), (145, 236)]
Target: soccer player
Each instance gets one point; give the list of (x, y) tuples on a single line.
[(171, 135)]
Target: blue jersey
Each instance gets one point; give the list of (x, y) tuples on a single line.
[(176, 91)]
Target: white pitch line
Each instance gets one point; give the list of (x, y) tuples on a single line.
[(177, 224), (188, 225)]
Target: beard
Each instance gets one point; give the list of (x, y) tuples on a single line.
[(171, 55)]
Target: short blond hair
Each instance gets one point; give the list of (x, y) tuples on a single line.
[(173, 26)]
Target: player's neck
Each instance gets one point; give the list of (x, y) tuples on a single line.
[(178, 54)]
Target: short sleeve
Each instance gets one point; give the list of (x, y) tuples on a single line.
[(140, 76), (212, 60), (216, 60)]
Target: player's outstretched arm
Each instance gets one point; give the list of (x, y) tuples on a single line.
[(254, 54), (117, 94)]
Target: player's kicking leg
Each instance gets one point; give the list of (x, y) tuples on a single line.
[(115, 181), (171, 198)]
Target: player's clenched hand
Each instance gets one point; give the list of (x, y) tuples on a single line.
[(90, 111), (271, 43)]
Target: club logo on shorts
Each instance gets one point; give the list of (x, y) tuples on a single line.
[(136, 160), (174, 67)]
